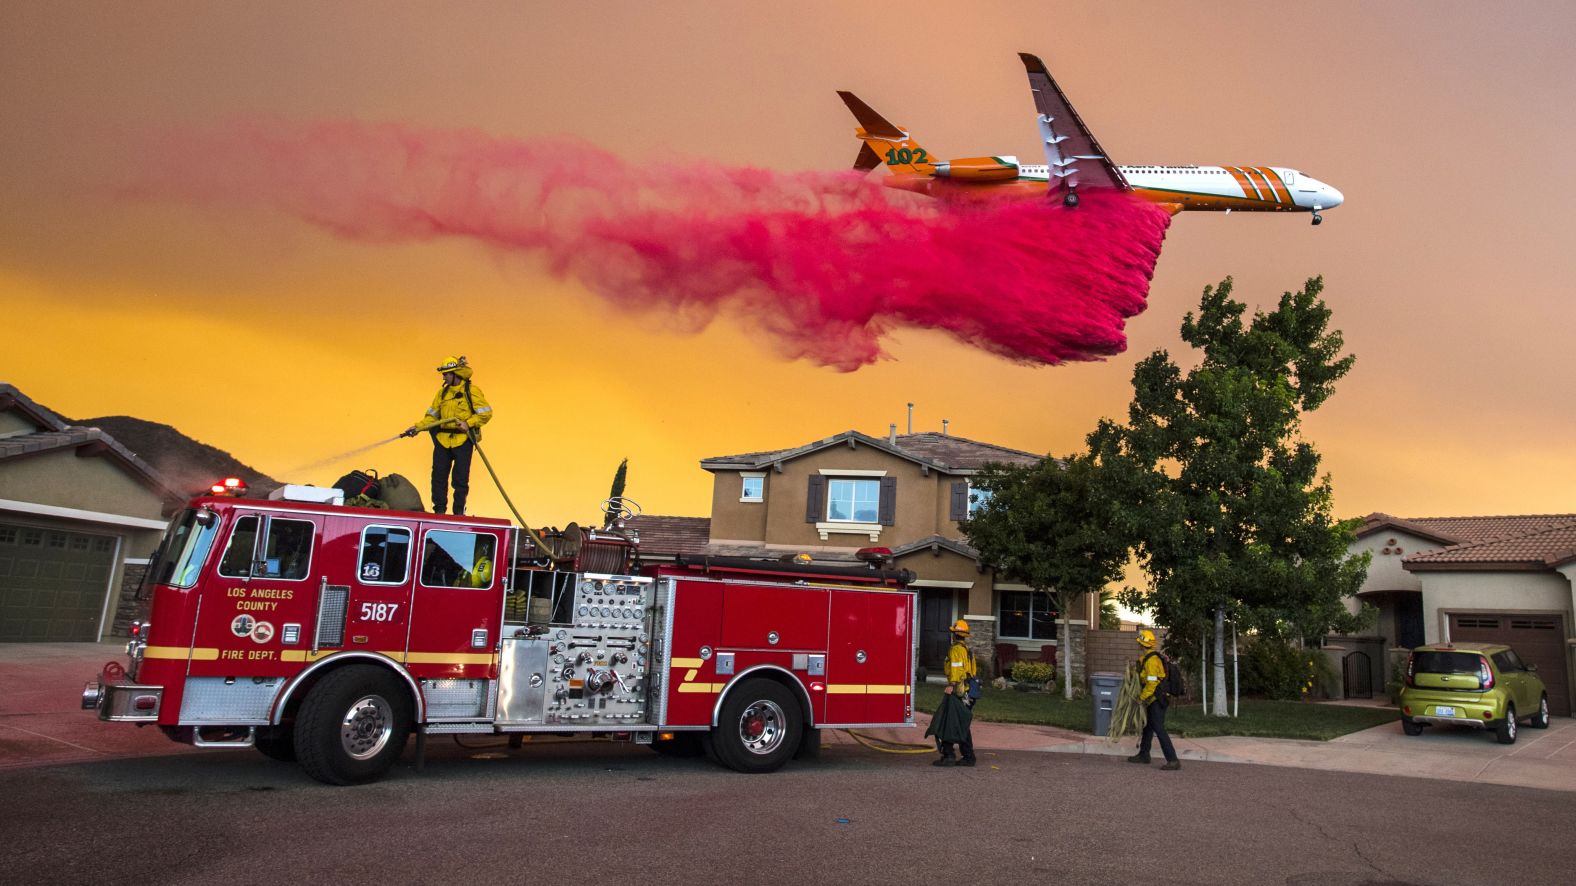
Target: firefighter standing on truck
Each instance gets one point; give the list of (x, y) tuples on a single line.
[(454, 420)]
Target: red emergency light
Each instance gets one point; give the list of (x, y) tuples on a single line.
[(232, 486)]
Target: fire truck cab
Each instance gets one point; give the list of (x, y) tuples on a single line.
[(330, 634)]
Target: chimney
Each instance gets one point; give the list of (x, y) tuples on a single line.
[(892, 434), (944, 424), (911, 418)]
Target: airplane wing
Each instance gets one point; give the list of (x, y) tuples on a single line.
[(1075, 158)]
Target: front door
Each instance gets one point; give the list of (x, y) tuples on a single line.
[(935, 638)]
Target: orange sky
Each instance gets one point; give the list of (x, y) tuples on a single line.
[(1448, 268)]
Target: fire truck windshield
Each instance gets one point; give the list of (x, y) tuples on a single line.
[(184, 548)]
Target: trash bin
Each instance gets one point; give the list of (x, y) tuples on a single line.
[(1103, 688)]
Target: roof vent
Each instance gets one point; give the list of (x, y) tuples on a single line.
[(312, 494), (944, 423)]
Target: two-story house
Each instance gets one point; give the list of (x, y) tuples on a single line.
[(833, 496)]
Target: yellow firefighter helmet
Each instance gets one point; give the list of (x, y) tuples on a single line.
[(450, 364), (961, 627), (1146, 638)]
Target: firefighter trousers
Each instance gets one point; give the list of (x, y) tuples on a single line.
[(445, 461)]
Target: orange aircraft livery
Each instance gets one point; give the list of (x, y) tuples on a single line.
[(1075, 161)]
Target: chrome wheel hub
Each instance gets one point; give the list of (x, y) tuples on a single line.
[(762, 727), (367, 727)]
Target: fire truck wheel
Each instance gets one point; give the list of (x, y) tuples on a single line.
[(759, 728), (276, 743), (353, 725)]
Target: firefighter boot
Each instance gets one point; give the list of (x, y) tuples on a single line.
[(1139, 758), (1172, 765), (944, 761)]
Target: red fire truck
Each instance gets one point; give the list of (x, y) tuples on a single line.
[(329, 634)]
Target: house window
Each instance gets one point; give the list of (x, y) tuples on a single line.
[(1027, 615), (977, 499), (852, 501), (754, 488)]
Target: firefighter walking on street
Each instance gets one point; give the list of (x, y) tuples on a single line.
[(953, 721), (455, 419), (1152, 671)]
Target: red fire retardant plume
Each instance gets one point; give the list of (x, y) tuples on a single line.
[(827, 264)]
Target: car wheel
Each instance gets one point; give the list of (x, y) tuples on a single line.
[(1540, 720), (1411, 727), (1506, 731)]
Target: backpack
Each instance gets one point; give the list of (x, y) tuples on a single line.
[(1174, 686), (400, 494), (358, 483)]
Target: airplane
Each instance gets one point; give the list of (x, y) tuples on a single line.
[(1074, 161)]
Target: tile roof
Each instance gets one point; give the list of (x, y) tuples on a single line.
[(64, 436), (1549, 544), (945, 452), (662, 536), (938, 541)]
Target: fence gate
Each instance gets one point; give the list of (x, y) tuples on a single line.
[(1357, 673)]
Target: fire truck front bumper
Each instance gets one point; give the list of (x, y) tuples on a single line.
[(122, 701)]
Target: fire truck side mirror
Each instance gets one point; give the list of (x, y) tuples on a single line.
[(205, 518)]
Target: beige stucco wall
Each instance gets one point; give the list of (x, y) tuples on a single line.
[(10, 423), (1446, 592), (62, 479), (1385, 572), (919, 511)]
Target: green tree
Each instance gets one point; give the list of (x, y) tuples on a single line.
[(1110, 616), (1048, 526), (615, 498), (1231, 514)]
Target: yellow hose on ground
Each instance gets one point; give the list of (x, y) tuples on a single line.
[(886, 746)]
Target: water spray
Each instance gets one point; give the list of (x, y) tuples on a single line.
[(325, 462)]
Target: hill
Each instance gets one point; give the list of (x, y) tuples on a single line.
[(190, 466)]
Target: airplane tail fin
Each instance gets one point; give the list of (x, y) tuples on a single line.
[(885, 144)]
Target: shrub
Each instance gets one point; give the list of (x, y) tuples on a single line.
[(1033, 672), (1275, 669)]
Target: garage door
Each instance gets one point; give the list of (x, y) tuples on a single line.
[(1538, 639), (52, 583)]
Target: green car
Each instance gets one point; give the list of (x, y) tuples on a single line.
[(1472, 684)]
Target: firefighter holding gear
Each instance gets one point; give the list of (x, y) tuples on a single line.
[(953, 723), (1152, 674), (455, 418)]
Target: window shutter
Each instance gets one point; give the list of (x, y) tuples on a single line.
[(815, 499), (888, 504), (960, 500)]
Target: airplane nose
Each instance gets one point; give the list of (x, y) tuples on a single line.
[(1332, 197)]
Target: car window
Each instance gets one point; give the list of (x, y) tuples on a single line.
[(1428, 662), (457, 560), (1502, 661), (1513, 661)]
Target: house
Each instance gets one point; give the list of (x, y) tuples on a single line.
[(1508, 580), (831, 497), (80, 515)]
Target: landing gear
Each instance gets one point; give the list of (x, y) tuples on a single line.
[(1317, 218), (1071, 199)]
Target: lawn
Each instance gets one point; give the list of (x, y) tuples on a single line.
[(1267, 719)]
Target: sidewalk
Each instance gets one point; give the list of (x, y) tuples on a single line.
[(41, 723)]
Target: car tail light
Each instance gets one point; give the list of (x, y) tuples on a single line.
[(145, 702), (1488, 715), (1406, 709), (1485, 674), (1409, 665)]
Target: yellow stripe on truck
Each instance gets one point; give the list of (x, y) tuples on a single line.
[(701, 687), (865, 689), (181, 653)]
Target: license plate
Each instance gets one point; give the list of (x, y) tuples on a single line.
[(1440, 711)]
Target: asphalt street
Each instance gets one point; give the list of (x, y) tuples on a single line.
[(618, 813)]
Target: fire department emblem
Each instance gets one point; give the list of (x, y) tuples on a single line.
[(262, 632), (371, 572), (242, 626)]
